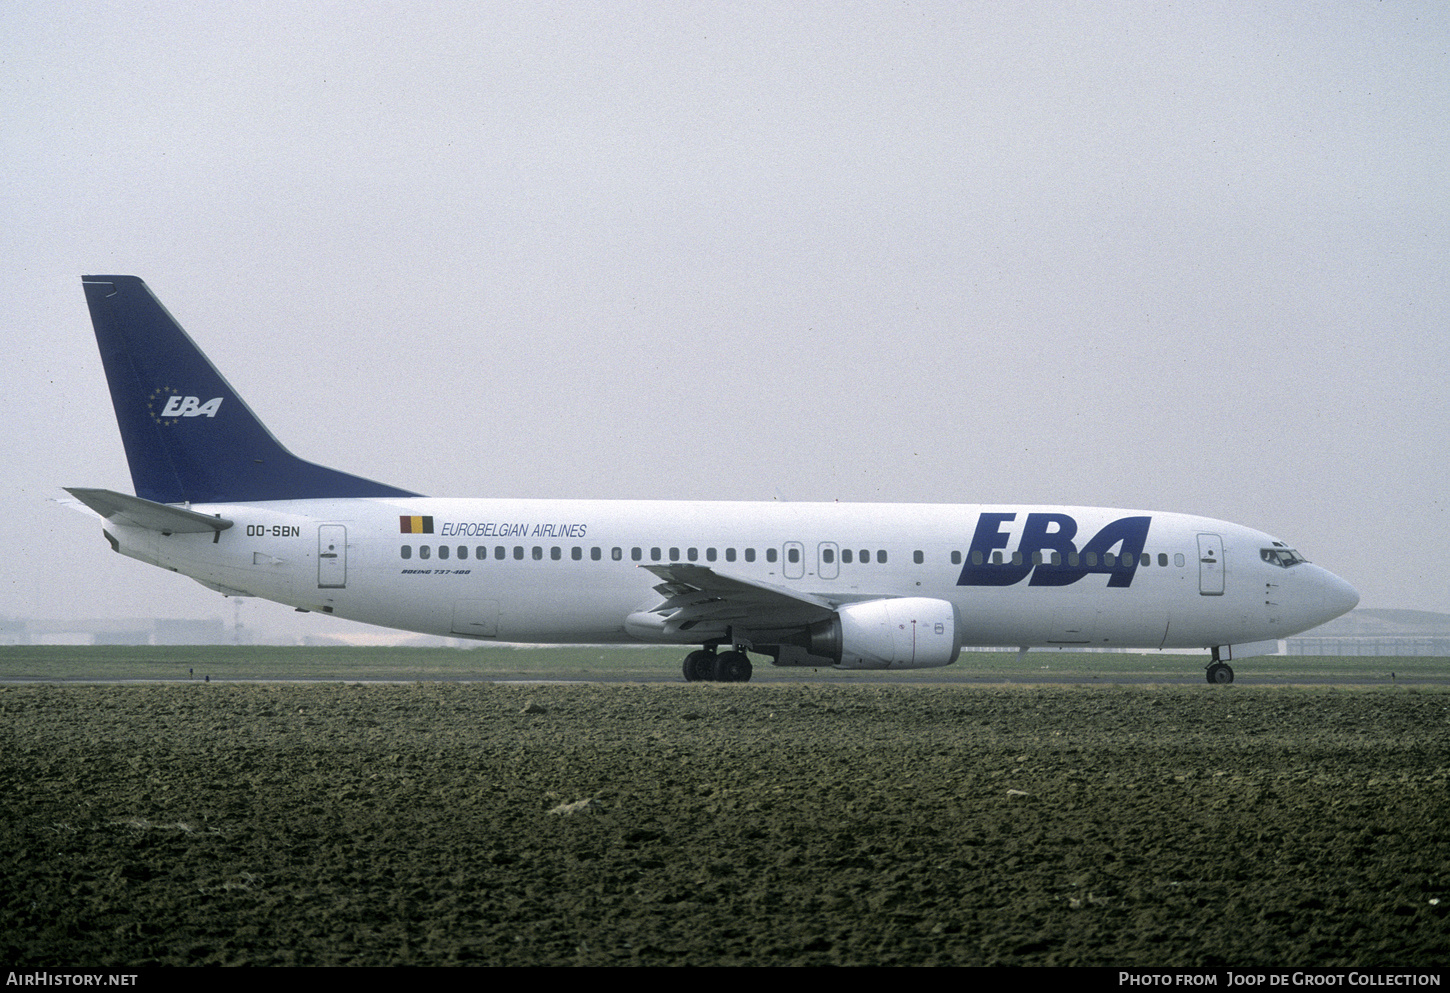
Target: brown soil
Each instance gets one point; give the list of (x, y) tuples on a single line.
[(802, 824)]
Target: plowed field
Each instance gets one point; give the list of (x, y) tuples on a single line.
[(707, 824)]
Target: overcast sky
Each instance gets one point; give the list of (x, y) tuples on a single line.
[(1186, 257)]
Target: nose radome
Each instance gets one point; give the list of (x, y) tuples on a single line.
[(1337, 596)]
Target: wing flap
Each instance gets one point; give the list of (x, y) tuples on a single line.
[(701, 604)]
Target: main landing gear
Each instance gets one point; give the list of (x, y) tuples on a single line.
[(726, 667), (1220, 672)]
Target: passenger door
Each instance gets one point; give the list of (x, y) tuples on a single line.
[(1210, 565), (331, 556)]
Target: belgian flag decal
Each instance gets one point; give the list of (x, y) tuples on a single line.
[(415, 525)]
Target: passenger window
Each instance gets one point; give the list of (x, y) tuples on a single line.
[(996, 558), (407, 551), (770, 555), (442, 551), (1092, 559), (881, 556), (918, 557), (538, 553), (793, 555), (693, 554), (596, 554), (1109, 559), (462, 551), (750, 555), (729, 555), (709, 555), (519, 553), (976, 558), (654, 554), (1163, 558), (424, 552), (499, 552), (956, 558), (1178, 559), (481, 552), (827, 556), (1036, 558), (865, 557), (576, 553), (846, 555)]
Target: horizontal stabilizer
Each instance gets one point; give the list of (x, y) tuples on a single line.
[(135, 512)]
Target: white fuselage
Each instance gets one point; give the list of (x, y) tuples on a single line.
[(571, 571)]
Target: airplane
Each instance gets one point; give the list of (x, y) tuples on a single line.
[(853, 586)]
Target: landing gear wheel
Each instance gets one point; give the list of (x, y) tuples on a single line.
[(1220, 673), (733, 667), (699, 666)]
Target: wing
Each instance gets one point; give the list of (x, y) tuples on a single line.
[(701, 604)]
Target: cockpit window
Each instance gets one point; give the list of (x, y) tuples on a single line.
[(1281, 557)]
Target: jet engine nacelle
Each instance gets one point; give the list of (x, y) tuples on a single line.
[(901, 633)]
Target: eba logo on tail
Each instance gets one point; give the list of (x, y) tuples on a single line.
[(178, 406)]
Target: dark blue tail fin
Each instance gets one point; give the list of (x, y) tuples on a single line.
[(189, 438)]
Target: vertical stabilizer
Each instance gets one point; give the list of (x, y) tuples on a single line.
[(189, 437)]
